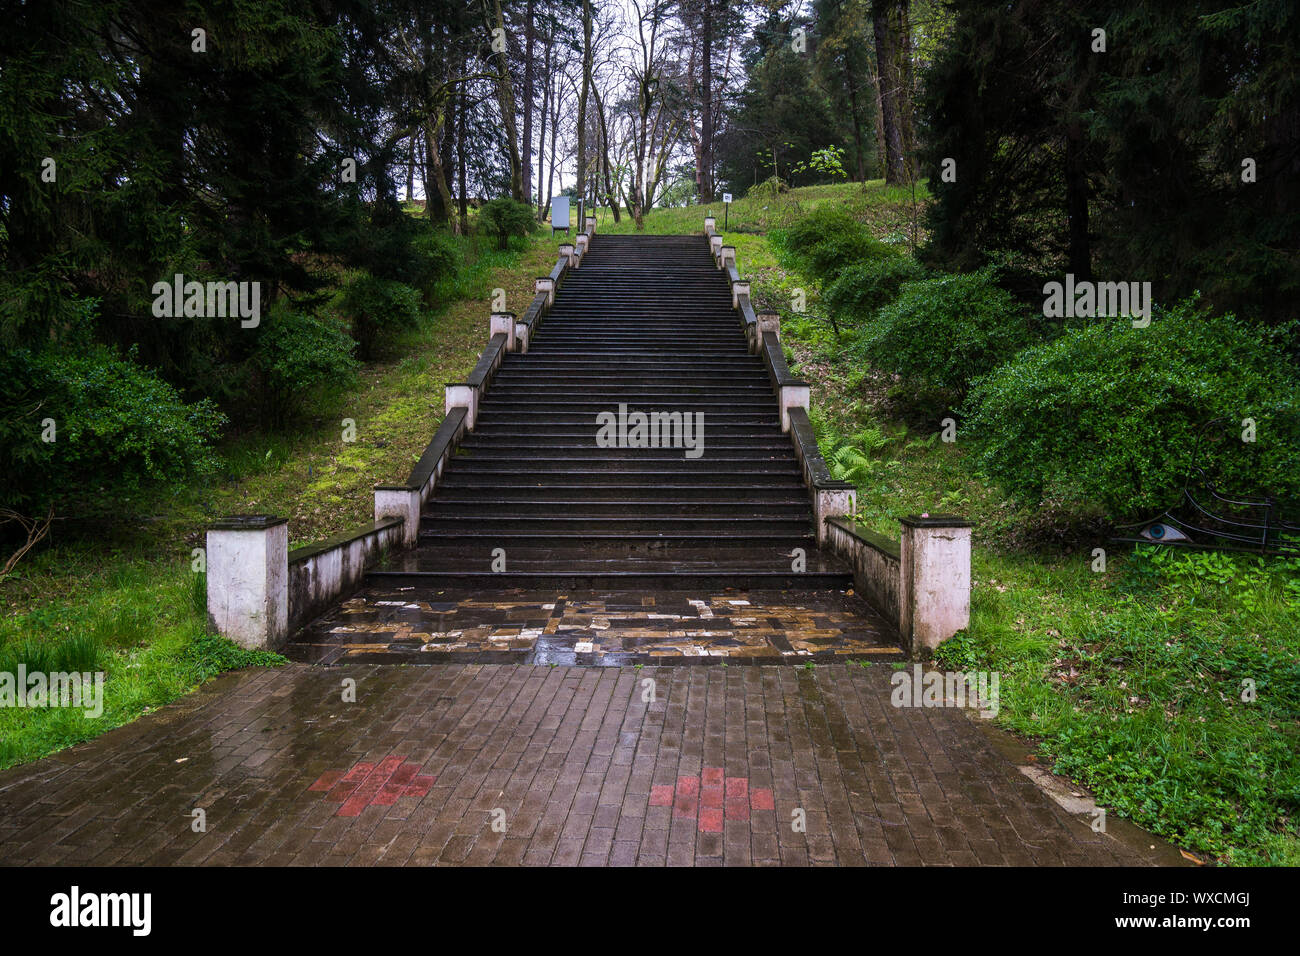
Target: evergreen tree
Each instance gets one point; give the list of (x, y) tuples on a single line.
[(1122, 153)]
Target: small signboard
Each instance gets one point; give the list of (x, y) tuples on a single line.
[(560, 214), (726, 197)]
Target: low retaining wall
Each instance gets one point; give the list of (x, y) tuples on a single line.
[(876, 562), (259, 592), (320, 574), (921, 584)]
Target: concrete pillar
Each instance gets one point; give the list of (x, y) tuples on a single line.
[(591, 226), (566, 252), (769, 322), (795, 395), (248, 579), (934, 590), (710, 225), (521, 336), (503, 322), (460, 395), (832, 503), (726, 256), (737, 290), (580, 250), (715, 244), (545, 284), (400, 501)]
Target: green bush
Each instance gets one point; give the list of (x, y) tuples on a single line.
[(439, 261), (828, 239), (504, 218), (863, 287), (1110, 415), (940, 334), (378, 308), (298, 356), (115, 424)]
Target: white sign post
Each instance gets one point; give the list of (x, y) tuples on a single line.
[(726, 213), (560, 214)]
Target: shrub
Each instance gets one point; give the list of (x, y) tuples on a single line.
[(940, 334), (438, 261), (1110, 414), (863, 287), (116, 424), (378, 308), (828, 239), (768, 189), (505, 218), (298, 356)]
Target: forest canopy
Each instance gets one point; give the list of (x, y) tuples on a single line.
[(327, 157)]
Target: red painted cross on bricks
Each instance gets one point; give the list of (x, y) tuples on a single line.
[(372, 784), (711, 798)]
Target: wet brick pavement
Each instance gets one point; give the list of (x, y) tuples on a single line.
[(583, 770)]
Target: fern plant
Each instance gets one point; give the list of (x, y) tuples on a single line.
[(848, 463), (850, 457)]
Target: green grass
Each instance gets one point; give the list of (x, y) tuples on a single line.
[(139, 622), (123, 598), (1130, 679), (889, 210)]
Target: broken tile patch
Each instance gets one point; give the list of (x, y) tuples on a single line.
[(596, 628)]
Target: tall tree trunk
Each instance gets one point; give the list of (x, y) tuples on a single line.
[(555, 124), (527, 158), (879, 122), (425, 181), (706, 104), (582, 101), (447, 150), (906, 91), (861, 163), (506, 101), (610, 199), (697, 150), (462, 223), (410, 168), (541, 141), (438, 211), (637, 197), (884, 25), (437, 199)]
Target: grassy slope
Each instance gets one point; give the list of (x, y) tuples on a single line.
[(1129, 679), (128, 601)]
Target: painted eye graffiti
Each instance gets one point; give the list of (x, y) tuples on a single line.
[(1163, 532)]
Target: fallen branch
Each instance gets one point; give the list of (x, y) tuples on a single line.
[(34, 528)]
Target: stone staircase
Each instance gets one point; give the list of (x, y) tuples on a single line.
[(533, 499)]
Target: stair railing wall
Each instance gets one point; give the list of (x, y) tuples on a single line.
[(922, 583), (259, 592)]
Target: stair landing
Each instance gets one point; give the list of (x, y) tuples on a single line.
[(414, 625)]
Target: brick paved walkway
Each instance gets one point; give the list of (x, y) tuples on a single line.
[(573, 762)]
